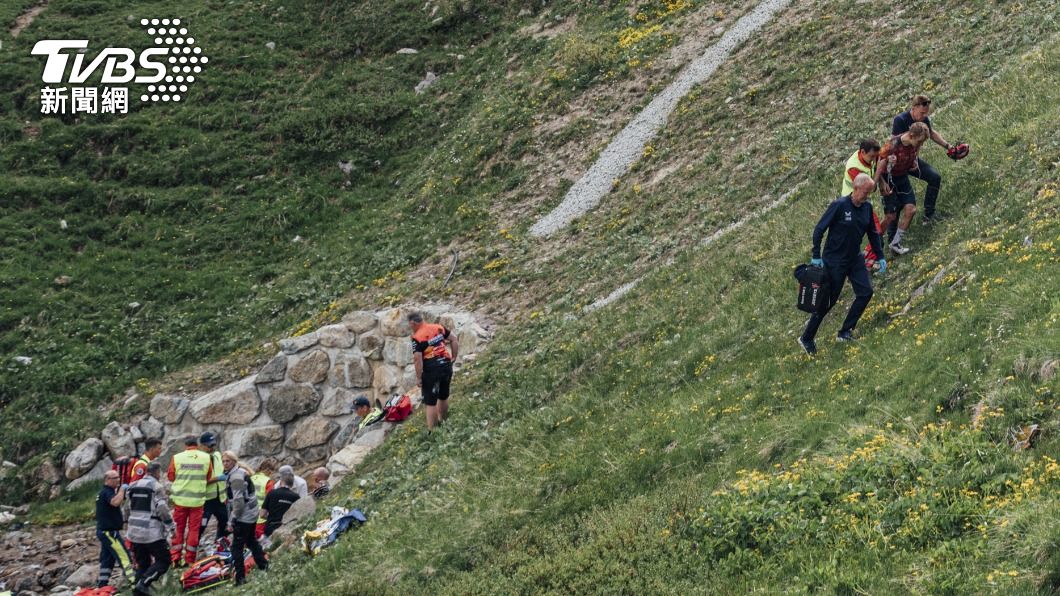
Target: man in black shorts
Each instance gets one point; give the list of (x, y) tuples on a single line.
[(434, 349)]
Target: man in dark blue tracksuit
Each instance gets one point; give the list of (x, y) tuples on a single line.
[(846, 221)]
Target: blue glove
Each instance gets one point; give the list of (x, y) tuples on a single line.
[(222, 478), (883, 265), (125, 487), (817, 262)]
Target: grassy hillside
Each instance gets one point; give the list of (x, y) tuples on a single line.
[(679, 442), (192, 210), (676, 441)]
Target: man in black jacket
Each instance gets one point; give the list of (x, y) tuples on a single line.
[(847, 220)]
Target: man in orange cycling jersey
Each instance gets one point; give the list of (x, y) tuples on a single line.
[(434, 349)]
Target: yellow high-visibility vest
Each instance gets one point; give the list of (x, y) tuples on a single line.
[(218, 489), (855, 162), (260, 480), (189, 478)]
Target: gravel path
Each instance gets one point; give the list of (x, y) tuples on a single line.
[(629, 144)]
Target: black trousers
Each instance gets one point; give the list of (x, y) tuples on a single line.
[(243, 537), (934, 183), (217, 509), (152, 562), (859, 279)]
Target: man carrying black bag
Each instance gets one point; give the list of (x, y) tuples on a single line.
[(846, 221)]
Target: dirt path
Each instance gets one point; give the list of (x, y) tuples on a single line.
[(26, 19), (628, 145)]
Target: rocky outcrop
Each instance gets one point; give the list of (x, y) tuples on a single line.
[(168, 408), (79, 461), (152, 428), (95, 475), (118, 441)]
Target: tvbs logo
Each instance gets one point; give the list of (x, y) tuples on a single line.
[(167, 68)]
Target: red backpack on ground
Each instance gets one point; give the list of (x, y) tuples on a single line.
[(398, 408)]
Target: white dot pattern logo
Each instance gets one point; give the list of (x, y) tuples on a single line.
[(184, 57)]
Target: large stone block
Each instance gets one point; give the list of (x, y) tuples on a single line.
[(372, 437), (386, 380), (371, 345), (95, 475), (338, 401), (118, 440), (394, 324), (235, 403), (398, 351), (79, 461), (85, 576), (250, 442), (360, 321), (313, 456), (293, 345), (336, 336), (433, 312), (274, 370), (348, 459), (168, 408), (311, 431), (351, 371), (152, 428), (312, 368), (287, 402)]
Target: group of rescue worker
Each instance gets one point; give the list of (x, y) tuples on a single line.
[(205, 483), (850, 218)]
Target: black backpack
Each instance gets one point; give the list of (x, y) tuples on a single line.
[(814, 291)]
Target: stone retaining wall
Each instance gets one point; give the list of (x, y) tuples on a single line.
[(297, 407)]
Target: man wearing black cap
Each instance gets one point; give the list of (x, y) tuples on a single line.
[(216, 491), (368, 415)]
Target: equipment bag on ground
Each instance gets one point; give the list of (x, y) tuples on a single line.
[(398, 408), (813, 288)]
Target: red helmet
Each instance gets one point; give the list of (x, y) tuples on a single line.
[(958, 151)]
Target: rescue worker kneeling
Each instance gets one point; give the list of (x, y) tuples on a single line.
[(149, 523)]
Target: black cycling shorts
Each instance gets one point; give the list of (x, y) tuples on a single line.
[(902, 194), (435, 385)]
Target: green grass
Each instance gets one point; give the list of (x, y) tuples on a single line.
[(678, 442), (190, 210), (72, 507)]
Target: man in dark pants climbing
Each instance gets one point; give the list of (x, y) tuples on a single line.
[(919, 108), (847, 220)]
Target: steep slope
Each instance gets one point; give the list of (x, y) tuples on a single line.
[(632, 449), (136, 246), (678, 442)]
